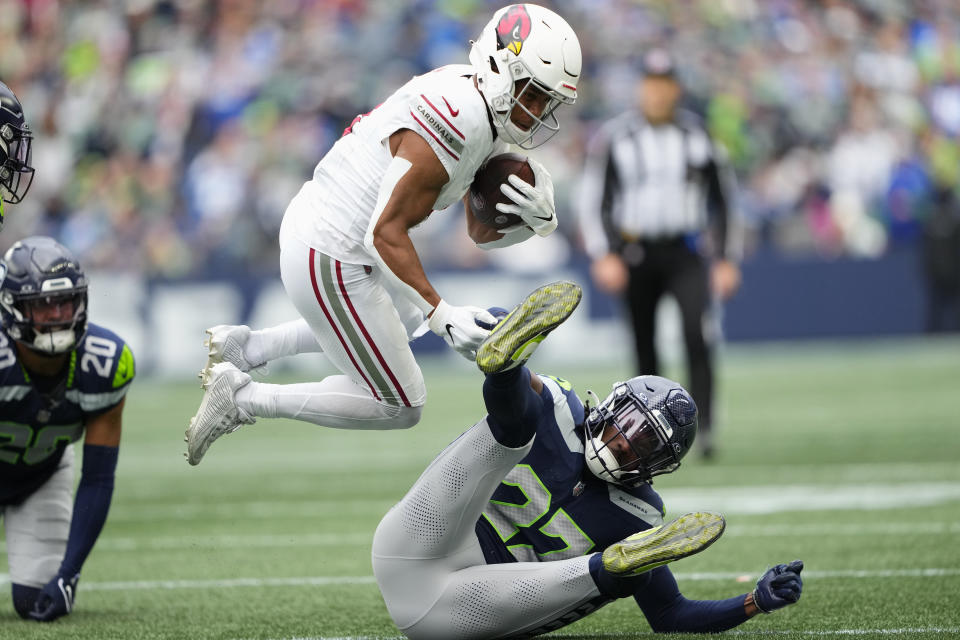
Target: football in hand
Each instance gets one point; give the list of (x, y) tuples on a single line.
[(485, 191)]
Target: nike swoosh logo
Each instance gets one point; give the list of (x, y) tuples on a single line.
[(546, 219), (450, 333), (452, 112)]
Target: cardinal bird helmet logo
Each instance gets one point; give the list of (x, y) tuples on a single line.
[(513, 28)]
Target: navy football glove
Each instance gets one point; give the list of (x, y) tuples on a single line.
[(55, 599), (499, 313), (779, 586)]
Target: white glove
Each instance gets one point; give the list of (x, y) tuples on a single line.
[(534, 204), (458, 327)]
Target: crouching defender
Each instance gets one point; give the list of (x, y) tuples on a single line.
[(61, 378), (543, 512)]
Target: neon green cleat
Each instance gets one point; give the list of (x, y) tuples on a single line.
[(517, 336), (689, 534)]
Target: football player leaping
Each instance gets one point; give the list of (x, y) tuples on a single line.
[(61, 378), (347, 261), (16, 174), (543, 511)]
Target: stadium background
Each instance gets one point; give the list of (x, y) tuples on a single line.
[(171, 134)]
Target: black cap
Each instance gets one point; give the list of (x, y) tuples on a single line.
[(659, 62)]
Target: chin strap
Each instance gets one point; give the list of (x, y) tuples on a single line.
[(591, 397), (55, 342)]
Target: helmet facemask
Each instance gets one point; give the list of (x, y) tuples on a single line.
[(16, 172), (628, 443), (544, 127)]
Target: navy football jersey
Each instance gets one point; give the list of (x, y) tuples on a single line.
[(550, 506), (40, 418)]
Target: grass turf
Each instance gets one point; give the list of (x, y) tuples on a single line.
[(844, 455)]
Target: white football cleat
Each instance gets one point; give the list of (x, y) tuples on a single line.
[(218, 413), (225, 343)]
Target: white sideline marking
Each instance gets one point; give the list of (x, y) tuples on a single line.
[(832, 632), (842, 529), (745, 499), (323, 581), (305, 581), (809, 497)]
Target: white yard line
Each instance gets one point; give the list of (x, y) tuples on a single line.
[(766, 499), (843, 529), (322, 581)]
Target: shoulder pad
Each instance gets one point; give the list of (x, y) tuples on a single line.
[(105, 361)]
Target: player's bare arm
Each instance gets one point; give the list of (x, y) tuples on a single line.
[(412, 184), (104, 429), (409, 204)]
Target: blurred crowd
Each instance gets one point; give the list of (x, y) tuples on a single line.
[(170, 134)]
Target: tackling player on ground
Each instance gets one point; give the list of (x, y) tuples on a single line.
[(347, 261), (61, 379), (543, 511), (16, 174)]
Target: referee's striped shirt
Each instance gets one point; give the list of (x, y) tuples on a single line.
[(644, 182)]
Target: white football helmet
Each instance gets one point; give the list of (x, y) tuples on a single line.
[(526, 41)]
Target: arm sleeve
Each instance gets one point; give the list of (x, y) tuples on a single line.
[(597, 194), (668, 611), (90, 505), (513, 407)]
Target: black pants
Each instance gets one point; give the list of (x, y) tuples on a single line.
[(672, 267)]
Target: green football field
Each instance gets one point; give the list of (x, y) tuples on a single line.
[(846, 455)]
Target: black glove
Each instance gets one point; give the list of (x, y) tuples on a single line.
[(778, 587), (55, 599)]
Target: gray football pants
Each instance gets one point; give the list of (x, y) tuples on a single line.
[(431, 571), (37, 529)]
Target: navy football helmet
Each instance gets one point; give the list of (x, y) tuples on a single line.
[(642, 429), (16, 141), (43, 296)]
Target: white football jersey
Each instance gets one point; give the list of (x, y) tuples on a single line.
[(333, 210)]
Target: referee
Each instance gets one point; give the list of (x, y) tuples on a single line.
[(656, 215)]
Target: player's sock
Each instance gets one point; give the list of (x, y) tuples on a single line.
[(513, 406), (611, 585), (287, 339), (335, 401)]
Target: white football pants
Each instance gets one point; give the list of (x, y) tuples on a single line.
[(38, 527), (360, 327), (430, 568)]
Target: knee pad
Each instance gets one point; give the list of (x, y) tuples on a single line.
[(24, 598), (406, 417)]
